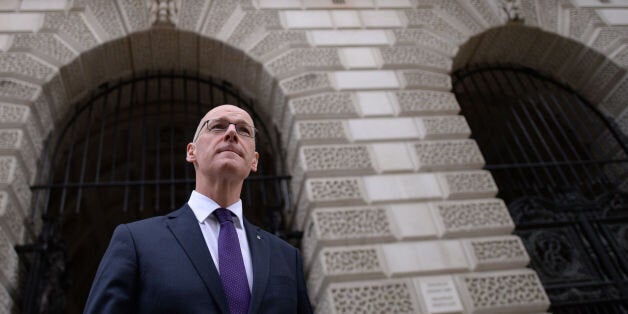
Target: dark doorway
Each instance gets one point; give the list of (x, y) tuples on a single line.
[(120, 157), (560, 166)]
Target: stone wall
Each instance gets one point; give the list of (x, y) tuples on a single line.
[(398, 215)]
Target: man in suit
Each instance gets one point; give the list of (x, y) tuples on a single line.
[(191, 261)]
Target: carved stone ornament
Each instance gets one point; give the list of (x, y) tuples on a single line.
[(164, 13), (512, 8)]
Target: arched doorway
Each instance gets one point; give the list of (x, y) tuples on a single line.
[(561, 168), (120, 157)]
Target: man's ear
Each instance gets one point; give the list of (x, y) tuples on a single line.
[(190, 155), (254, 162)]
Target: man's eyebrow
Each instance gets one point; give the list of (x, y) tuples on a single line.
[(238, 121)]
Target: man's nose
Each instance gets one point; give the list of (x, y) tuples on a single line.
[(231, 132)]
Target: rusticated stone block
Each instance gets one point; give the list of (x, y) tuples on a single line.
[(470, 184), (382, 296), (473, 217), (448, 155), (496, 252), (504, 291)]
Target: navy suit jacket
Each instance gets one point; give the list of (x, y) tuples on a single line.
[(162, 265)]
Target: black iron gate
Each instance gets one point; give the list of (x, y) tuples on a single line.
[(561, 168), (119, 158)]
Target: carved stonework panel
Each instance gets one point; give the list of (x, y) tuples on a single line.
[(350, 224), (72, 27), (489, 10), (425, 38), (11, 219), (14, 89), (410, 57), (44, 45), (427, 102), (429, 19), (460, 218), (448, 155), (336, 158), (13, 140), (498, 291), (219, 12), (581, 20), (135, 14), (529, 12), (461, 15), (469, 184), (106, 13), (9, 263), (329, 191), (327, 130), (608, 37), (497, 252), (302, 59), (323, 105), (354, 223), (26, 66), (13, 114), (191, 12), (440, 127), (307, 82), (10, 138), (427, 80), (252, 24), (276, 41), (363, 261), (549, 11), (334, 189), (385, 296)]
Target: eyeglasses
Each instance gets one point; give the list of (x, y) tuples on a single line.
[(221, 126)]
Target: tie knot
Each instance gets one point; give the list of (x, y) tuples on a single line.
[(223, 215)]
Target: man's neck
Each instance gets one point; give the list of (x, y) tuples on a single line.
[(223, 193)]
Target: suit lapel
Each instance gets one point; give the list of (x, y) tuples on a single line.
[(260, 258), (184, 225)]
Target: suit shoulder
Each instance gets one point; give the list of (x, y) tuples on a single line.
[(281, 243), (150, 223)]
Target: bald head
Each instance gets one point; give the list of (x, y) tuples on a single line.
[(227, 112)]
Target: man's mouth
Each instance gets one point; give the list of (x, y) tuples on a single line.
[(230, 149)]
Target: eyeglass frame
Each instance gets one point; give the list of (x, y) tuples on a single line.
[(205, 125)]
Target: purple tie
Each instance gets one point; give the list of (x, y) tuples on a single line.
[(231, 264)]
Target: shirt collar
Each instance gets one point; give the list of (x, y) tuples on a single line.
[(203, 207)]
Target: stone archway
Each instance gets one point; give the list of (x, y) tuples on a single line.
[(327, 72)]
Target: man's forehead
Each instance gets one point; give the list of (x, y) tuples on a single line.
[(228, 112)]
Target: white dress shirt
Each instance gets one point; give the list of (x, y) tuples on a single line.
[(203, 207)]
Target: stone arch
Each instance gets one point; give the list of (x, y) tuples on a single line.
[(578, 66), (574, 43), (65, 54)]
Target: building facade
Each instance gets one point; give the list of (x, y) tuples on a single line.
[(387, 183)]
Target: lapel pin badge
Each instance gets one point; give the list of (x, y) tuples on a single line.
[(258, 237)]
